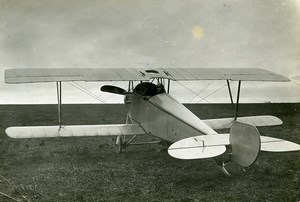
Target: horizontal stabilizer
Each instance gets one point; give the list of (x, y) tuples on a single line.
[(271, 144), (257, 121), (74, 131), (205, 146)]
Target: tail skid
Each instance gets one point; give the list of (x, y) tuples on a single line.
[(244, 140), (221, 164)]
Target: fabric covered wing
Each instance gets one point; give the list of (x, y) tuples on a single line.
[(124, 74), (72, 74), (257, 121), (234, 74), (74, 131)]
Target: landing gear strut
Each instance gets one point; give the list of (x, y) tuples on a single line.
[(122, 143)]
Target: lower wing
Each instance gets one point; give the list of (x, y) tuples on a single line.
[(223, 123), (74, 131)]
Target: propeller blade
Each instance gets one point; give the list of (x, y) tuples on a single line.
[(113, 89)]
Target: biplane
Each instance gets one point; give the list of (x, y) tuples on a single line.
[(153, 111)]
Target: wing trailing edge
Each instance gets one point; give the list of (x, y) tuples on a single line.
[(74, 131)]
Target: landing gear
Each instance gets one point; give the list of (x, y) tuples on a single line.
[(122, 141), (120, 144), (223, 160)]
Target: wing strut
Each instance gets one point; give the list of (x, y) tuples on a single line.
[(58, 89), (229, 90), (237, 100), (130, 86)]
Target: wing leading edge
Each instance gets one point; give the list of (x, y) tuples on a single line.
[(14, 76), (74, 131)]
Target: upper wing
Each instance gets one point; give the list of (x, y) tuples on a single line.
[(234, 74), (135, 74), (253, 120), (72, 74), (74, 131)]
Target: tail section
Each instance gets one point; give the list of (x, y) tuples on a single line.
[(271, 144), (243, 145), (199, 147)]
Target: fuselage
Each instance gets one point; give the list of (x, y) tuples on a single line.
[(166, 118)]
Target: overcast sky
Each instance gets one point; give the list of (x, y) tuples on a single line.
[(139, 33)]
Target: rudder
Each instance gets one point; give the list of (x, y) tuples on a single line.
[(245, 143)]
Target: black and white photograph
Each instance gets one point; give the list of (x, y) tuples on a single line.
[(144, 100)]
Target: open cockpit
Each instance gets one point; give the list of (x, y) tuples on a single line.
[(149, 89)]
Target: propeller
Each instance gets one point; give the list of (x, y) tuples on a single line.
[(113, 89)]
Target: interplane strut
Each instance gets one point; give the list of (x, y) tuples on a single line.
[(59, 100)]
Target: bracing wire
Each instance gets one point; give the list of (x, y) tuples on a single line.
[(76, 85), (110, 95), (193, 92), (212, 93), (198, 94), (100, 95)]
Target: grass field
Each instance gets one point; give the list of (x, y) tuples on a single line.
[(88, 169)]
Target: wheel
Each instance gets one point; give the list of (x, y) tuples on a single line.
[(120, 145)]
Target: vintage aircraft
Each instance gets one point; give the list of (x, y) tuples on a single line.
[(153, 111)]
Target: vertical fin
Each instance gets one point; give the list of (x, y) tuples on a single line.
[(245, 141)]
